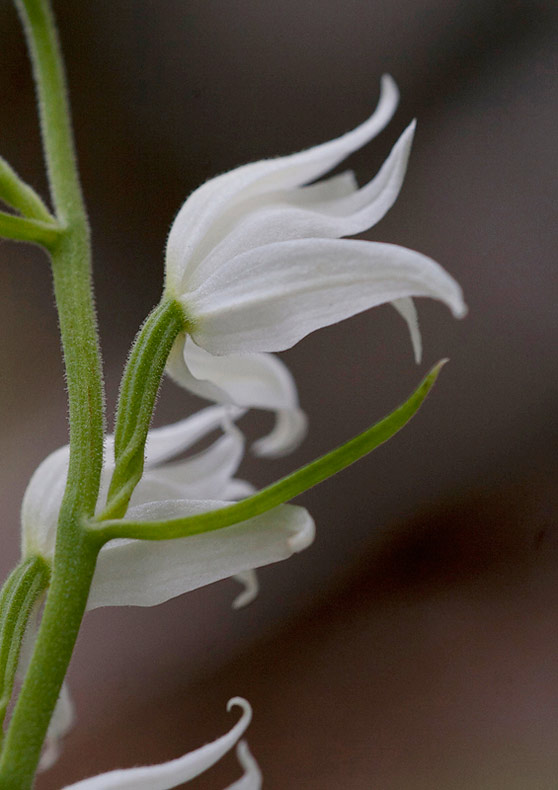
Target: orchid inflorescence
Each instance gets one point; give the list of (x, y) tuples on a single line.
[(255, 261)]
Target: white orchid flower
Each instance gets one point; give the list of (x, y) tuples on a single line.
[(175, 772), (146, 573), (256, 259)]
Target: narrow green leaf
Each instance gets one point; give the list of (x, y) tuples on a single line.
[(279, 492)]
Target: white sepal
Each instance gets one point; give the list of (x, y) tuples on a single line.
[(195, 230), (252, 779), (175, 772), (249, 580), (146, 573), (299, 286), (244, 380), (407, 310), (255, 258), (60, 724)]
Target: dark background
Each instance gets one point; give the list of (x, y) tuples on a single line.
[(415, 644)]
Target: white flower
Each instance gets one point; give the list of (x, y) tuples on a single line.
[(146, 573), (176, 772), (256, 259)]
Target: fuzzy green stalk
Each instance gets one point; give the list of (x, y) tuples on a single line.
[(138, 392), (75, 554)]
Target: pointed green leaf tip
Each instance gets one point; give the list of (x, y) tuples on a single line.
[(283, 490)]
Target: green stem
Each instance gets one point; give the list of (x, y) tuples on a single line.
[(75, 554), (138, 392), (19, 195), (279, 492), (36, 231)]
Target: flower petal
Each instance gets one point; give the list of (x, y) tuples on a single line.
[(289, 430), (202, 476), (327, 189), (41, 504), (254, 380), (175, 772), (60, 724), (252, 779), (238, 489), (171, 440), (194, 232), (283, 216), (44, 493), (407, 310), (249, 580), (146, 573), (297, 287)]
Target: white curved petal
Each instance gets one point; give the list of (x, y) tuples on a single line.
[(327, 189), (407, 310), (238, 489), (196, 227), (169, 441), (175, 772), (297, 287), (252, 779), (146, 573), (202, 476), (41, 504), (60, 724), (44, 493), (249, 580), (252, 381), (284, 216), (291, 426)]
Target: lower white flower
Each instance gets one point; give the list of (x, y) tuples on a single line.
[(175, 772), (146, 573)]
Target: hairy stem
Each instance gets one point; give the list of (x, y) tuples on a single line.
[(75, 554)]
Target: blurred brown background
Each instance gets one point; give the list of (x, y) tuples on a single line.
[(415, 645)]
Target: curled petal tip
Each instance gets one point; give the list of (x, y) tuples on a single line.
[(411, 128), (303, 536), (387, 83), (290, 429), (251, 589), (240, 702)]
